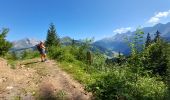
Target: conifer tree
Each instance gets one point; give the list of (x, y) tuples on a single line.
[(148, 40), (158, 56), (157, 37), (52, 37), (73, 42)]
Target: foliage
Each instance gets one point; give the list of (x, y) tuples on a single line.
[(135, 59), (61, 95), (5, 45), (120, 84), (133, 77), (29, 54), (89, 57), (98, 61), (128, 80), (157, 37), (13, 55), (168, 72), (21, 55), (136, 42), (155, 58), (148, 40), (52, 37), (78, 70), (60, 54), (152, 58), (83, 49)]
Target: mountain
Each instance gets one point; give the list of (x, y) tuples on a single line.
[(27, 43), (68, 41), (24, 44), (118, 43)]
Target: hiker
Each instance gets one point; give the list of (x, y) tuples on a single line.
[(41, 48)]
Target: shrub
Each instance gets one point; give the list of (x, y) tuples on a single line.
[(29, 54), (98, 61), (120, 84), (60, 54)]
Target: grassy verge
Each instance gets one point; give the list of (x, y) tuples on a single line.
[(80, 72)]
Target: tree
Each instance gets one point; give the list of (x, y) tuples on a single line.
[(24, 54), (5, 45), (148, 40), (14, 55), (73, 42), (157, 37), (159, 55), (52, 37), (155, 56), (158, 58), (83, 48)]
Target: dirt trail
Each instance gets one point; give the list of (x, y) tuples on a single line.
[(33, 80)]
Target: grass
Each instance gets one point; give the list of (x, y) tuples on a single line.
[(61, 95), (12, 63), (16, 98), (79, 71)]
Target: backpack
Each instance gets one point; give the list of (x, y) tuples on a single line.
[(38, 47)]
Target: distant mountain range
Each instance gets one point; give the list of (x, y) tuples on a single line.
[(108, 46), (118, 43), (23, 44)]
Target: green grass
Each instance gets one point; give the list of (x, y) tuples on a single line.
[(120, 78), (80, 72), (77, 70), (12, 63)]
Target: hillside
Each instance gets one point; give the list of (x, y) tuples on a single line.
[(29, 44), (118, 43), (32, 80)]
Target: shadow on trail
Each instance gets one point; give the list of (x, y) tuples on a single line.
[(30, 63), (46, 92)]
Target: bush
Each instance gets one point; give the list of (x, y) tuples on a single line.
[(98, 61), (29, 54), (120, 84), (60, 54), (150, 88), (12, 56)]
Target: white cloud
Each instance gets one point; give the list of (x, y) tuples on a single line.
[(158, 16), (122, 30)]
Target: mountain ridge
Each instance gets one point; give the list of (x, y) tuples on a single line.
[(116, 43), (119, 44)]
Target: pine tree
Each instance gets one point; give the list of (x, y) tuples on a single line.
[(52, 37), (73, 42), (148, 40), (157, 37), (5, 45), (157, 57)]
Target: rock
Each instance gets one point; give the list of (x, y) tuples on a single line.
[(3, 79), (9, 87)]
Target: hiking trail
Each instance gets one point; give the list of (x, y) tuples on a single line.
[(32, 80)]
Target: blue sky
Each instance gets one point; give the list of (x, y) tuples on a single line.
[(80, 18)]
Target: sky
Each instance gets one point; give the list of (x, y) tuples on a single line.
[(80, 19)]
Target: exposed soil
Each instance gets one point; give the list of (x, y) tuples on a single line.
[(34, 80)]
